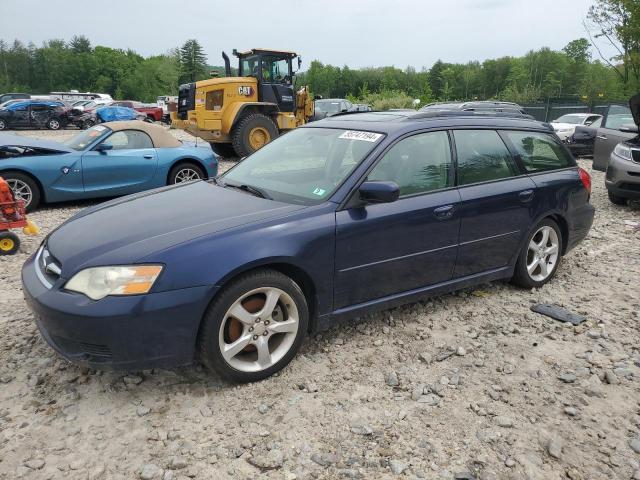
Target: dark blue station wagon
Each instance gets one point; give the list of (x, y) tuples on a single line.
[(333, 220)]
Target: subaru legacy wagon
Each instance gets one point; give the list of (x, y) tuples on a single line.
[(333, 220)]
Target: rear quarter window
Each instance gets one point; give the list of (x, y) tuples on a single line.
[(539, 152)]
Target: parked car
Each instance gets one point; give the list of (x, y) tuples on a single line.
[(484, 106), (333, 220), (617, 126), (106, 160), (34, 114), (582, 141), (623, 171), (565, 126), (5, 97), (361, 107), (327, 107), (153, 112)]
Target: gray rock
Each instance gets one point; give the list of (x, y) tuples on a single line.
[(508, 368), (132, 380), (554, 447), (425, 357), (311, 387), (96, 473), (392, 379), (324, 460), (35, 463), (510, 462), (263, 408), (417, 391), (636, 475), (571, 411), (430, 400), (205, 411), (142, 411), (567, 377), (611, 378), (635, 444), (271, 460), (504, 421), (461, 352), (361, 429), (464, 476), (397, 467), (150, 472), (177, 463)]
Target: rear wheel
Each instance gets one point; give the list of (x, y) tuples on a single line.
[(54, 124), (9, 243), (185, 172), (540, 256), (615, 199), (225, 150), (3, 125), (252, 133), (254, 327), (24, 188)]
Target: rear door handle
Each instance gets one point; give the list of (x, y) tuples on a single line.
[(148, 156), (442, 213), (526, 196)]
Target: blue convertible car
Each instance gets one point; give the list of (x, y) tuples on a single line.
[(107, 160)]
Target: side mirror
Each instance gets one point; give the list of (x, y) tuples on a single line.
[(317, 97), (629, 128), (103, 147), (379, 192)]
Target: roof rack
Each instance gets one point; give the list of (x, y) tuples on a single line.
[(469, 113)]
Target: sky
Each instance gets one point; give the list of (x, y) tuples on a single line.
[(357, 33)]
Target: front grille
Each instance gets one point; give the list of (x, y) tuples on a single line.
[(48, 268), (635, 155), (186, 99), (632, 187), (90, 351)]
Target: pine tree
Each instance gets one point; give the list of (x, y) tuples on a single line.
[(193, 61)]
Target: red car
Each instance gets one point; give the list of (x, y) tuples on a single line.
[(153, 112)]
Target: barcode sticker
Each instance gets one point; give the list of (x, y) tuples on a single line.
[(360, 135)]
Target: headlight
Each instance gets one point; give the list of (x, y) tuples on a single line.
[(99, 282), (623, 151)]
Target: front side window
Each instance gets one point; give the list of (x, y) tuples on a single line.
[(128, 139), (305, 166), (618, 117), (249, 66), (418, 164), (275, 70), (538, 151), (482, 157)]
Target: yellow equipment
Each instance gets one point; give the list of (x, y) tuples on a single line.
[(238, 115)]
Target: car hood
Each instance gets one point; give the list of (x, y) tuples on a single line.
[(563, 126), (634, 105), (124, 230), (24, 141)]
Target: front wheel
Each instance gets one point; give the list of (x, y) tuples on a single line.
[(3, 125), (615, 199), (54, 124), (24, 188), (254, 327), (540, 256), (9, 243), (252, 133), (185, 172)]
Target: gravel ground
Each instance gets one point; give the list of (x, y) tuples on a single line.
[(471, 385)]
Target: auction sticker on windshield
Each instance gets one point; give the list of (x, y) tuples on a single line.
[(360, 135)]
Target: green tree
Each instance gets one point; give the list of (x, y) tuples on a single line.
[(193, 61)]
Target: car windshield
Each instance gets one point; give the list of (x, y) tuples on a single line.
[(328, 107), (572, 119), (86, 138), (304, 166)]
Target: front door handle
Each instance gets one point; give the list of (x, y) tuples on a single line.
[(602, 137), (442, 213), (148, 157), (526, 196)]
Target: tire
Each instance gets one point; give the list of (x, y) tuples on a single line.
[(615, 199), (185, 172), (539, 259), (251, 133), (24, 188), (3, 125), (9, 243), (248, 294), (225, 150), (54, 124)]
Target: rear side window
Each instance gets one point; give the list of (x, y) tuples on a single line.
[(538, 151), (418, 164), (482, 157)]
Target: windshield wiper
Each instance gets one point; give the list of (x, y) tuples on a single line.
[(255, 191)]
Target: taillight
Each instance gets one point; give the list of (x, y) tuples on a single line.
[(586, 179)]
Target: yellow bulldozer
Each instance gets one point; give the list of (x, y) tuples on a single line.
[(239, 114)]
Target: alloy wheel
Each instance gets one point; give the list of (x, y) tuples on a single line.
[(258, 329), (3, 125), (543, 253), (186, 175), (54, 124), (21, 191)]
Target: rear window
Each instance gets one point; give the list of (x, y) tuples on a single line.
[(482, 157), (539, 151)]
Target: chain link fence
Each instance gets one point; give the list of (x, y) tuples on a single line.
[(547, 112)]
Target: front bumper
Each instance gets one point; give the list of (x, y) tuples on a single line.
[(157, 330), (623, 178)]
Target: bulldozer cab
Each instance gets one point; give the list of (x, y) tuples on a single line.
[(274, 71)]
